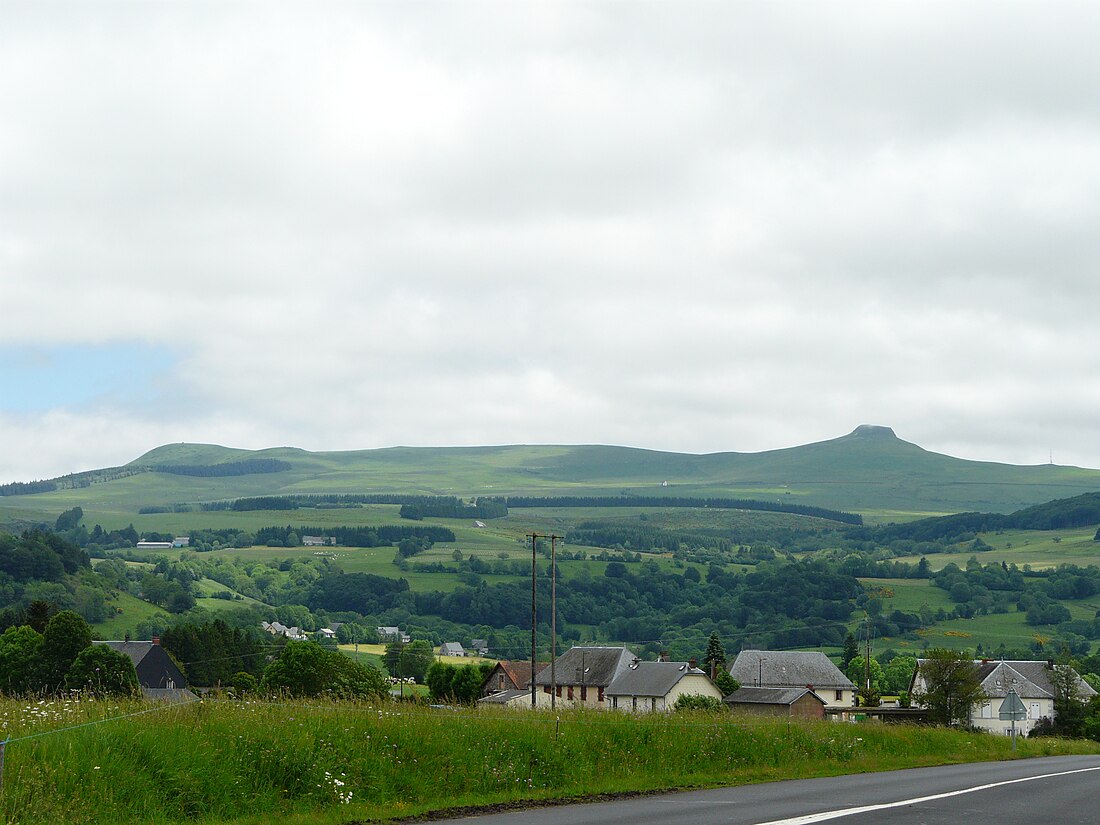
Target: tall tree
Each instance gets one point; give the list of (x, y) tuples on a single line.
[(715, 655), (66, 635), (950, 686), (1070, 710), (102, 671), (20, 655), (851, 650)]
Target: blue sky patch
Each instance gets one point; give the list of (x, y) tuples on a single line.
[(37, 378)]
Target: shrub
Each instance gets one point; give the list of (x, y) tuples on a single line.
[(693, 702)]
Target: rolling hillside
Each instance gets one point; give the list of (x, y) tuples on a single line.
[(868, 470)]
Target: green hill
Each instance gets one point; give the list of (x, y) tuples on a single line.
[(868, 470)]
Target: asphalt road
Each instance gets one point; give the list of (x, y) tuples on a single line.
[(1061, 790)]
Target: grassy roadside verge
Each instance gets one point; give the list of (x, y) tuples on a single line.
[(315, 764)]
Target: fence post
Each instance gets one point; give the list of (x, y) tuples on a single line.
[(3, 747)]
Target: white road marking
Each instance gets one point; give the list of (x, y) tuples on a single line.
[(806, 819)]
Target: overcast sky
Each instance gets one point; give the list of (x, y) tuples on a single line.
[(685, 226)]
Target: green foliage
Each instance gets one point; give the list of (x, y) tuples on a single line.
[(857, 673), (951, 686), (696, 702), (213, 652), (456, 683), (69, 519), (101, 671), (67, 634), (726, 683), (244, 682), (898, 674), (415, 659), (851, 651), (20, 665), (715, 655), (308, 669)]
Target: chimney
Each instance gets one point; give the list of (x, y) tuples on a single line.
[(662, 656), (156, 640), (691, 663)]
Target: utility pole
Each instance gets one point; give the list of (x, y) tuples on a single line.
[(867, 661), (534, 618), (553, 620), (553, 613)]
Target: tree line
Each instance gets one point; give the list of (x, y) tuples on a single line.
[(680, 501), (249, 466)]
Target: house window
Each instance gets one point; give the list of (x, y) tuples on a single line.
[(500, 682), (633, 702), (839, 695), (570, 692), (559, 691), (599, 695), (653, 703), (584, 692)]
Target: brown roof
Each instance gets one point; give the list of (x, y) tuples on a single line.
[(519, 670)]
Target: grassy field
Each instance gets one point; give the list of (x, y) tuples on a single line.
[(1039, 548), (320, 764), (130, 610), (910, 595)]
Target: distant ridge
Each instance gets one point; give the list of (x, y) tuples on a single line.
[(868, 469)]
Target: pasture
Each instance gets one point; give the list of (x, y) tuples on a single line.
[(321, 763)]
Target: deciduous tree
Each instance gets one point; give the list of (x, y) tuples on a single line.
[(950, 686)]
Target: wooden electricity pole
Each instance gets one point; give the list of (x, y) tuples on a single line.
[(554, 539)]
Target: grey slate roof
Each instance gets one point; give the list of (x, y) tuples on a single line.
[(135, 650), (650, 678), (1029, 678), (769, 696), (600, 664), (788, 668)]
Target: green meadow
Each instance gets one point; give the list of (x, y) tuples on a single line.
[(220, 761)]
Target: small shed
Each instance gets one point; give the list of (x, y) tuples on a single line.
[(801, 703)]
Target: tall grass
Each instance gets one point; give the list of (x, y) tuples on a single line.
[(221, 761)]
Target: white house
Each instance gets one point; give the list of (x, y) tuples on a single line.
[(1030, 680), (582, 675), (795, 669), (655, 686), (451, 649)]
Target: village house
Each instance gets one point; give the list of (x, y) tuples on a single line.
[(451, 649), (655, 686), (795, 669), (393, 634), (799, 703), (583, 674), (159, 677), (295, 634), (510, 676), (1032, 683), (479, 647)]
